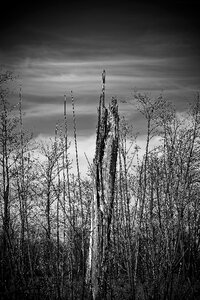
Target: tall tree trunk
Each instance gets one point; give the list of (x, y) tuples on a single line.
[(102, 207)]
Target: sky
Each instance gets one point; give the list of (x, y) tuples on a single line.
[(56, 48)]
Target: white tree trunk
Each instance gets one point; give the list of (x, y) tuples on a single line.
[(102, 207)]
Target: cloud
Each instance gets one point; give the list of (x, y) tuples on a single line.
[(41, 122), (45, 82), (53, 78), (86, 151), (56, 50)]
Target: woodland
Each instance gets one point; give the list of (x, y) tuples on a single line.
[(130, 229)]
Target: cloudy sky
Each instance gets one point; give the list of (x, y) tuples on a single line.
[(56, 48)]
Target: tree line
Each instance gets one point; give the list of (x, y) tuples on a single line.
[(129, 230)]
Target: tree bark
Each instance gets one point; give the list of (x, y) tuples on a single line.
[(102, 206)]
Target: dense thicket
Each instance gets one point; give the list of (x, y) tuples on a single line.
[(45, 211)]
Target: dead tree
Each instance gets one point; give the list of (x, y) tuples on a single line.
[(104, 170)]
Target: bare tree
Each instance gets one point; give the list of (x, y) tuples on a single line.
[(8, 143)]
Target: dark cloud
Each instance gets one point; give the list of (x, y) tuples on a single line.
[(45, 125), (59, 47), (99, 28)]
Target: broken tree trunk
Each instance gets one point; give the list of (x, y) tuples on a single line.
[(104, 170)]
